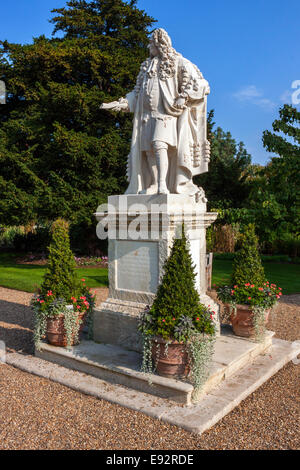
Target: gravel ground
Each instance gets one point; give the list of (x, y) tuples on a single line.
[(36, 413)]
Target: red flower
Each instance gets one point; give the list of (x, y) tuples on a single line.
[(260, 288), (173, 319), (197, 319), (252, 285), (82, 280), (164, 320), (249, 298)]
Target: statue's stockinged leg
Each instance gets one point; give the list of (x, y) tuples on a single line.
[(162, 162)]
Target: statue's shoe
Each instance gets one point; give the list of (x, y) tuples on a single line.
[(151, 190), (163, 190)]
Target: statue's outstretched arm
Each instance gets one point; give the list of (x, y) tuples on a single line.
[(120, 105)]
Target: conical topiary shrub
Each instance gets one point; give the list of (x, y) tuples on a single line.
[(247, 266), (178, 322), (60, 277), (63, 302), (177, 296)]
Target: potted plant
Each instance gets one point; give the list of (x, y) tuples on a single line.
[(178, 331), (249, 297), (63, 301)]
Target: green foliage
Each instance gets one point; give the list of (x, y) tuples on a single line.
[(226, 183), (60, 277), (60, 155), (247, 267), (176, 312), (281, 177)]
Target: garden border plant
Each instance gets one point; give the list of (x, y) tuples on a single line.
[(177, 319)]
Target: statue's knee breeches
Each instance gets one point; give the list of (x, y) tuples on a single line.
[(159, 145)]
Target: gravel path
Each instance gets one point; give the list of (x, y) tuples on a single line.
[(36, 413)]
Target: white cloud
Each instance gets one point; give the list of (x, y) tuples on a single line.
[(286, 96), (251, 94)]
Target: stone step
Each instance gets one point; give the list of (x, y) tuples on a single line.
[(196, 418), (117, 365)]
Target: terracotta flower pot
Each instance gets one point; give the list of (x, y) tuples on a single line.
[(56, 333), (242, 321), (174, 364)]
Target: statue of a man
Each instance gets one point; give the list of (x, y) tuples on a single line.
[(169, 144)]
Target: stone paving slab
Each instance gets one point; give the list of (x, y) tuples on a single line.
[(118, 365), (195, 418)]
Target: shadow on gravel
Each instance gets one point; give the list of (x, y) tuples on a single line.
[(16, 326)]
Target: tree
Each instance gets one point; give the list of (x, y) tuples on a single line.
[(282, 174), (226, 182), (60, 155), (247, 266)]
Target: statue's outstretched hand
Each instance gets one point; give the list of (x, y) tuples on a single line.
[(120, 105)]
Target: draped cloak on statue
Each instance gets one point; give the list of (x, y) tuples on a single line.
[(187, 149)]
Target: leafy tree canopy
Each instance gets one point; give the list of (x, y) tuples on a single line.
[(60, 155), (226, 182)]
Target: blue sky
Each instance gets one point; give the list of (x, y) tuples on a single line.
[(248, 50)]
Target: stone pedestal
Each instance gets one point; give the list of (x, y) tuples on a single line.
[(141, 229)]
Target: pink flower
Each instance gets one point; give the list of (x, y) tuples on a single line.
[(164, 320), (82, 280), (252, 285), (42, 301), (197, 319)]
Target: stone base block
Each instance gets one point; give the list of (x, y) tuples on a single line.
[(116, 322)]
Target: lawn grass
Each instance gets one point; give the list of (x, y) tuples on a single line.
[(28, 277), (285, 275)]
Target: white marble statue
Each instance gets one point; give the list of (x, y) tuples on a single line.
[(169, 144)]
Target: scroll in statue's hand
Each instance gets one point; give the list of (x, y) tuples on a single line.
[(180, 102)]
